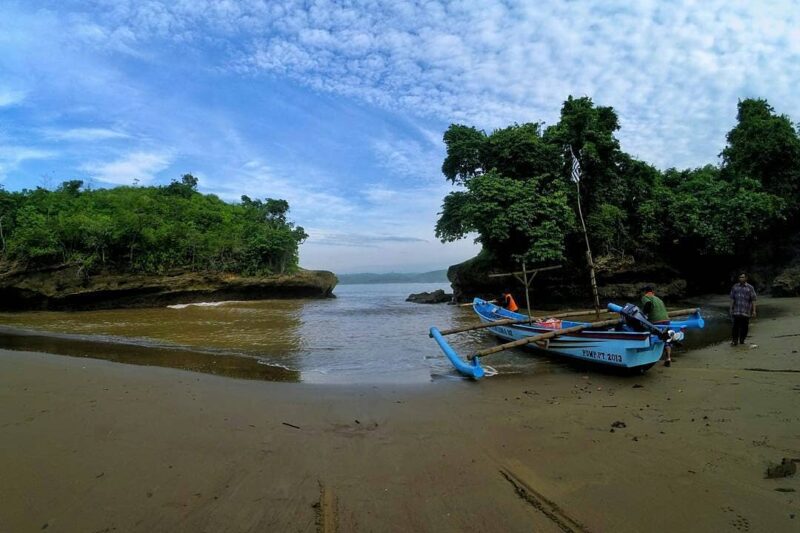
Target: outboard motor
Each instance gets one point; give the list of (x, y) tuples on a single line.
[(635, 319)]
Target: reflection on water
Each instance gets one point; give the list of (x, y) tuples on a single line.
[(369, 333), (221, 364)]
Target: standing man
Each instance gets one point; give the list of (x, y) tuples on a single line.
[(656, 312), (743, 307)]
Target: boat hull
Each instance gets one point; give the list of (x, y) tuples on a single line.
[(624, 349), (621, 346)]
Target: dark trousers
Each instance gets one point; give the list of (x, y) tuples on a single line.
[(740, 325)]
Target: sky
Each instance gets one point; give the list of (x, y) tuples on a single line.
[(339, 107)]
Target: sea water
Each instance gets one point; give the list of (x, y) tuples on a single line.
[(367, 334)]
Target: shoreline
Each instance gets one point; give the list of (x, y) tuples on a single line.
[(91, 445)]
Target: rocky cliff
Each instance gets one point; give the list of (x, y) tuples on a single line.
[(65, 288), (621, 279), (618, 280)]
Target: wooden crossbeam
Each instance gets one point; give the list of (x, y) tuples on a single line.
[(532, 271)]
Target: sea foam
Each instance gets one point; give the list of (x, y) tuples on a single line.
[(198, 304)]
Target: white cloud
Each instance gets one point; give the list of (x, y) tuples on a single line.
[(409, 159), (299, 186), (18, 154), (674, 71), (12, 156), (9, 97), (136, 166), (376, 214), (86, 134), (402, 210)]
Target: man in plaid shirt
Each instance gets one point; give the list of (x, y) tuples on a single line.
[(743, 307)]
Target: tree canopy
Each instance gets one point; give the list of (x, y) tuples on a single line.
[(764, 147), (147, 229), (515, 189)]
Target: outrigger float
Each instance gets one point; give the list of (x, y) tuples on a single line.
[(627, 341)]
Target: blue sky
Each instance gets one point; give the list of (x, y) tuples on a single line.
[(339, 107)]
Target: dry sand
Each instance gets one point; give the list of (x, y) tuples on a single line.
[(94, 446)]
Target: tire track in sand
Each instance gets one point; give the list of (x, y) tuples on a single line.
[(542, 504)]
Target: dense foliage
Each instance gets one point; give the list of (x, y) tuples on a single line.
[(147, 229), (516, 190)]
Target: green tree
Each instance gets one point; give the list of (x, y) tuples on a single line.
[(523, 220), (464, 146), (588, 131), (8, 207), (71, 188), (34, 239), (186, 187), (642, 207), (147, 229), (519, 152), (712, 216), (609, 231), (765, 147)]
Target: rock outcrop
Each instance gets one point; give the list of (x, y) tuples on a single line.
[(787, 283), (65, 288), (435, 297), (619, 280)]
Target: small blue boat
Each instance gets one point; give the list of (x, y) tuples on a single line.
[(618, 344)]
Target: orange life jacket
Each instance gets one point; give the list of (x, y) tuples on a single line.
[(511, 305)]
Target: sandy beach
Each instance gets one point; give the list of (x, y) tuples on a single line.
[(94, 446)]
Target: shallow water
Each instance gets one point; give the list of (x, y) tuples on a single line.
[(368, 334)]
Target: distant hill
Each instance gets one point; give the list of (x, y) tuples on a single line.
[(393, 277)]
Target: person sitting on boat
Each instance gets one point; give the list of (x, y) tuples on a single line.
[(656, 312), (507, 301)]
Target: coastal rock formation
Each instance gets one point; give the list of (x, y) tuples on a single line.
[(435, 297), (674, 289), (66, 288), (787, 283), (618, 280)]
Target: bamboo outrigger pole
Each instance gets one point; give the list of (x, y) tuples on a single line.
[(510, 321), (544, 336), (683, 312), (558, 332)]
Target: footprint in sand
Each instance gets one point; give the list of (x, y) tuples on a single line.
[(740, 523)]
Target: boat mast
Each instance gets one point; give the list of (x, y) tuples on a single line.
[(576, 177)]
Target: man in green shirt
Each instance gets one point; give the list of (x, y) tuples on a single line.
[(656, 312)]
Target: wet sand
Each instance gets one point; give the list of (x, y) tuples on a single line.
[(90, 446)]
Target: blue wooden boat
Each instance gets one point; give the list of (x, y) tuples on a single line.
[(618, 344)]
